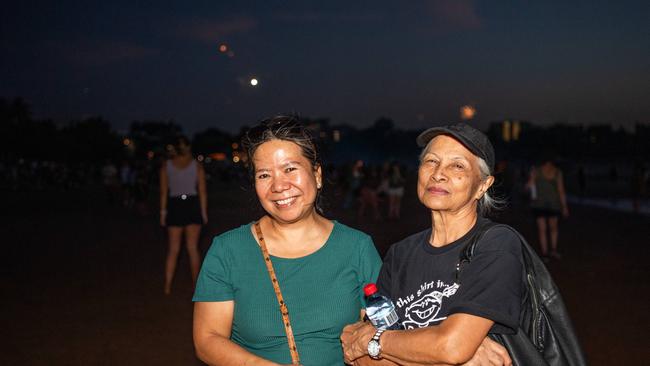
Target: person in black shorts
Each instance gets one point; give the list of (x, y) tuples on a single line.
[(547, 204), (183, 206)]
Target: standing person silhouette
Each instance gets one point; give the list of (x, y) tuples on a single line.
[(395, 191), (183, 206), (549, 203)]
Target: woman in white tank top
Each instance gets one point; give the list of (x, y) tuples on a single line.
[(183, 207)]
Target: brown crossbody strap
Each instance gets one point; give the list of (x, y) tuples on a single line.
[(295, 359)]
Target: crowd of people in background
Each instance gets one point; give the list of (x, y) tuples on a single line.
[(373, 190), (34, 175)]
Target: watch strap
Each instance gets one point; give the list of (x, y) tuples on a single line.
[(375, 338), (378, 334)]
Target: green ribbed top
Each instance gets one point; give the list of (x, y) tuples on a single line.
[(323, 292)]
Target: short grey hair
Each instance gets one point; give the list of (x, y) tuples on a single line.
[(488, 203)]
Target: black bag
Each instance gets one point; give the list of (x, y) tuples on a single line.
[(545, 335)]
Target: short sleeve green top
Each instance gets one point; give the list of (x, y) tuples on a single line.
[(323, 292)]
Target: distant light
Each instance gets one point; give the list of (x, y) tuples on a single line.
[(505, 131), (516, 130), (218, 156), (235, 145), (223, 48), (235, 159), (127, 142), (467, 112), (200, 158), (254, 82)]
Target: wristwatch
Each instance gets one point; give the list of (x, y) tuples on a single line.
[(374, 348)]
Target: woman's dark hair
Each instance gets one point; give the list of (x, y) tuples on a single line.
[(286, 128), (173, 147), (180, 139)]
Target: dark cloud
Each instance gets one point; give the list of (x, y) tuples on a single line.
[(98, 52), (210, 31), (312, 17), (454, 14)]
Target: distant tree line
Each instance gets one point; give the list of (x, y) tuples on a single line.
[(93, 140), (600, 142)]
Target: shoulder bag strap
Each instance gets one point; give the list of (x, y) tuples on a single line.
[(467, 252), (295, 359)]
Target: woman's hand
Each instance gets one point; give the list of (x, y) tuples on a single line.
[(367, 361), (490, 353), (354, 340)]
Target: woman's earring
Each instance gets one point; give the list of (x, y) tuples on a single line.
[(318, 185)]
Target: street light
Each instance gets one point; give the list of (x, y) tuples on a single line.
[(467, 112)]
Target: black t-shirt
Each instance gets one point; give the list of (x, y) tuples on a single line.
[(420, 279)]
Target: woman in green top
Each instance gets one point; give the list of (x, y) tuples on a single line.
[(321, 265)]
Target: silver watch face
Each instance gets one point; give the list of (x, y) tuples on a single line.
[(373, 348)]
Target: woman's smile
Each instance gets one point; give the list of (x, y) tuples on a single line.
[(286, 202)]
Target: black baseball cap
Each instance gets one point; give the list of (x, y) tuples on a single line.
[(474, 140)]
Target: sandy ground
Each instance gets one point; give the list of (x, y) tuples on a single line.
[(81, 281)]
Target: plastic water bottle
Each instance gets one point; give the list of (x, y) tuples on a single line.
[(380, 310)]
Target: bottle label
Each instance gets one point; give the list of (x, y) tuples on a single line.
[(384, 321), (391, 318)]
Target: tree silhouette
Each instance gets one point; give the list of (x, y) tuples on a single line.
[(210, 141), (90, 140), (152, 135)]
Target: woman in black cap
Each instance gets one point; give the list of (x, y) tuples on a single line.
[(445, 318)]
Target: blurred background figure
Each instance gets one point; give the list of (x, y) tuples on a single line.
[(548, 202), (142, 186), (127, 182), (368, 194), (354, 184), (110, 181), (183, 206), (395, 191)]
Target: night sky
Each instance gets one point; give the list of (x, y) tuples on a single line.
[(416, 62)]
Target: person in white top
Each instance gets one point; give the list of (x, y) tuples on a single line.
[(183, 206)]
